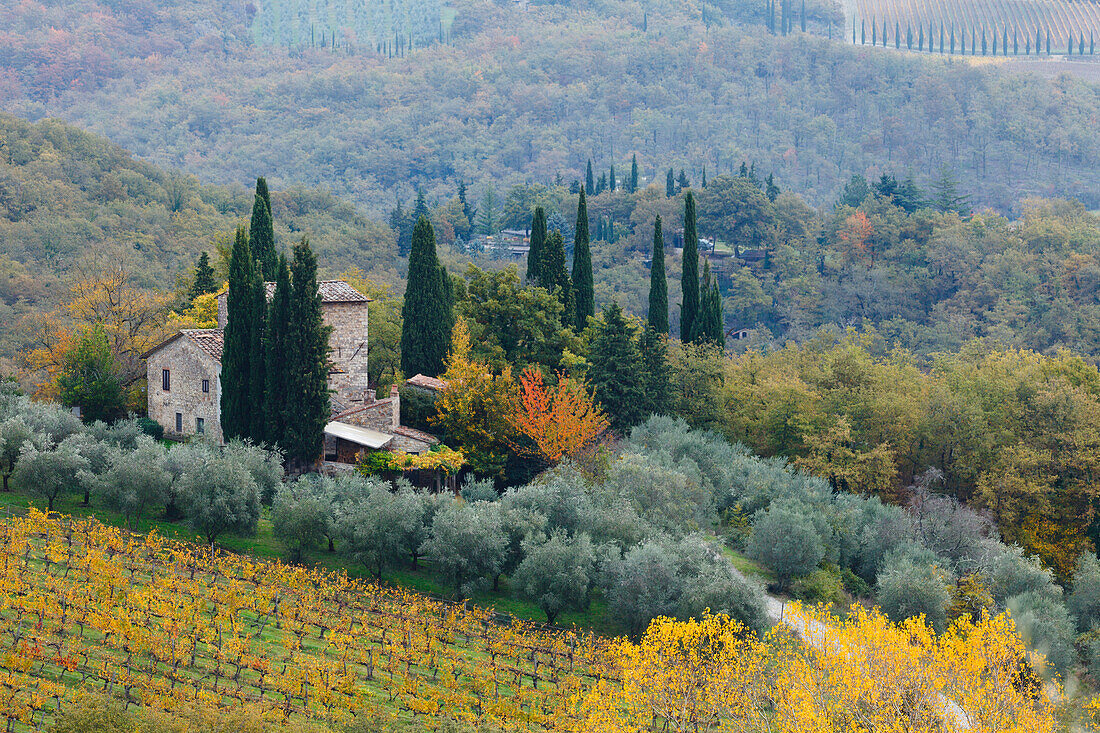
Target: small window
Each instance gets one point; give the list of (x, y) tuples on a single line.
[(200, 426), (179, 422), (165, 380), (206, 385)]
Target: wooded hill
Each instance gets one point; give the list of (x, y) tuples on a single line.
[(503, 100)]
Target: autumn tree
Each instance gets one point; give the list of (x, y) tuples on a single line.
[(90, 378), (558, 420)]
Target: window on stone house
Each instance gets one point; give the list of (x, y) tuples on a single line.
[(165, 380), (179, 422), (206, 385), (200, 426)]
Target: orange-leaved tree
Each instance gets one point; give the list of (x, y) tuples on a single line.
[(558, 420)]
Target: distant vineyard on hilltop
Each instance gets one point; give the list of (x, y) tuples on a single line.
[(979, 27)]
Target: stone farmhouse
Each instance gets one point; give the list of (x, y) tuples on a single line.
[(184, 382)]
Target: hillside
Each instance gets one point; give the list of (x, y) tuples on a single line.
[(504, 101), (70, 200)]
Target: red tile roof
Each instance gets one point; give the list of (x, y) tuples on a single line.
[(426, 382), (210, 340), (332, 291), (416, 435)]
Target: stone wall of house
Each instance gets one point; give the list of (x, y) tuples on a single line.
[(348, 343), (188, 366)]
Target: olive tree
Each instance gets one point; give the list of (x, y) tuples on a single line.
[(135, 479), (557, 574), (1084, 602), (467, 545), (908, 587), (50, 471), (786, 541), (379, 528), (218, 496), (301, 516)]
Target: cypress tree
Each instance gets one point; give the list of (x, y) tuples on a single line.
[(611, 179), (653, 347), (307, 357), (689, 283), (634, 174), (468, 211), (658, 286), (557, 277), (897, 34), (261, 232), (704, 181), (711, 328), (536, 257), (616, 364), (589, 181), (582, 268), (427, 314), (803, 19), (682, 181), (236, 351), (204, 281), (670, 185), (257, 358), (421, 207), (277, 374)]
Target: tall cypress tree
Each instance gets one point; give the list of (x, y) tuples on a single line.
[(307, 357), (556, 277), (653, 347), (582, 268), (427, 314), (689, 282), (670, 185), (237, 349), (277, 372), (615, 366), (710, 328), (205, 281), (536, 256), (421, 207), (704, 181), (634, 174), (611, 178), (658, 286), (261, 232), (257, 358), (589, 180)]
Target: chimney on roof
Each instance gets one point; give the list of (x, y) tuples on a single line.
[(395, 402)]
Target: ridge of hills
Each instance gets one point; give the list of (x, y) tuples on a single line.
[(504, 101)]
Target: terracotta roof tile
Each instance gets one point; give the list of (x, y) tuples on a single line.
[(416, 435), (210, 340), (332, 291), (426, 382)]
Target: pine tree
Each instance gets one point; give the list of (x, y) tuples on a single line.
[(615, 367), (421, 207), (582, 268), (601, 184), (427, 315), (589, 181), (689, 282), (205, 281), (261, 232), (658, 286), (556, 277), (670, 185), (277, 373), (237, 339), (536, 257), (307, 362), (653, 347), (257, 358), (770, 189), (634, 174)]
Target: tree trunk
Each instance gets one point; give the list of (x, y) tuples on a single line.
[(331, 546)]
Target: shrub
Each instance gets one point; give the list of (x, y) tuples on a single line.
[(94, 714), (152, 428), (787, 542), (907, 588), (823, 585)]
